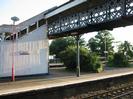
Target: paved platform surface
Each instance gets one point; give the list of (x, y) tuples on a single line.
[(43, 83)]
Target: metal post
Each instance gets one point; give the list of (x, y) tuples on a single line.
[(105, 49), (78, 57), (14, 19)]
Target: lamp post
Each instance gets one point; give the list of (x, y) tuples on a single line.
[(14, 19)]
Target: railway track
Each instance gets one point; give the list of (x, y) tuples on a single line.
[(121, 92)]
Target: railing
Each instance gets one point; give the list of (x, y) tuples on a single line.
[(111, 10)]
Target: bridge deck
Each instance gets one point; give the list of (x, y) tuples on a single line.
[(9, 88)]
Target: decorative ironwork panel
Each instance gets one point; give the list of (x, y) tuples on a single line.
[(116, 9), (65, 24), (57, 26), (99, 14), (50, 29), (111, 10), (74, 19), (84, 18), (129, 7)]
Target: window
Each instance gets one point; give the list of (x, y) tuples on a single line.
[(32, 27), (41, 22), (22, 32)]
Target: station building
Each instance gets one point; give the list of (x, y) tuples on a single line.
[(30, 49)]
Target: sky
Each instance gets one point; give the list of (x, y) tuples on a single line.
[(25, 9), (120, 34)]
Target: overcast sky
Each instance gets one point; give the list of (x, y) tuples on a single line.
[(25, 9)]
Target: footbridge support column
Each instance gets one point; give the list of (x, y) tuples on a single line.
[(78, 56)]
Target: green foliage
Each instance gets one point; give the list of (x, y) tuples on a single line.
[(110, 60), (59, 45), (68, 57), (92, 64), (118, 60), (126, 48), (88, 62), (98, 67), (97, 44)]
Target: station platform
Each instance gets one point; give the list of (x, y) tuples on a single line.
[(9, 88)]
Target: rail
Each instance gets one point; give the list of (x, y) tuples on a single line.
[(128, 95), (117, 93)]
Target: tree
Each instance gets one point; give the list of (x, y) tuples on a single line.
[(88, 61), (101, 42), (59, 45), (126, 48), (118, 60)]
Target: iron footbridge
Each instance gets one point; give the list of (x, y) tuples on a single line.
[(91, 16)]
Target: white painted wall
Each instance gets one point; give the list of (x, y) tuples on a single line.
[(6, 28), (36, 44)]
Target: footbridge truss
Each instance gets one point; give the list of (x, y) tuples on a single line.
[(89, 16)]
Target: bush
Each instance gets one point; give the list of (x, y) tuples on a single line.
[(98, 67), (69, 57), (88, 62), (110, 60), (118, 60), (93, 63)]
